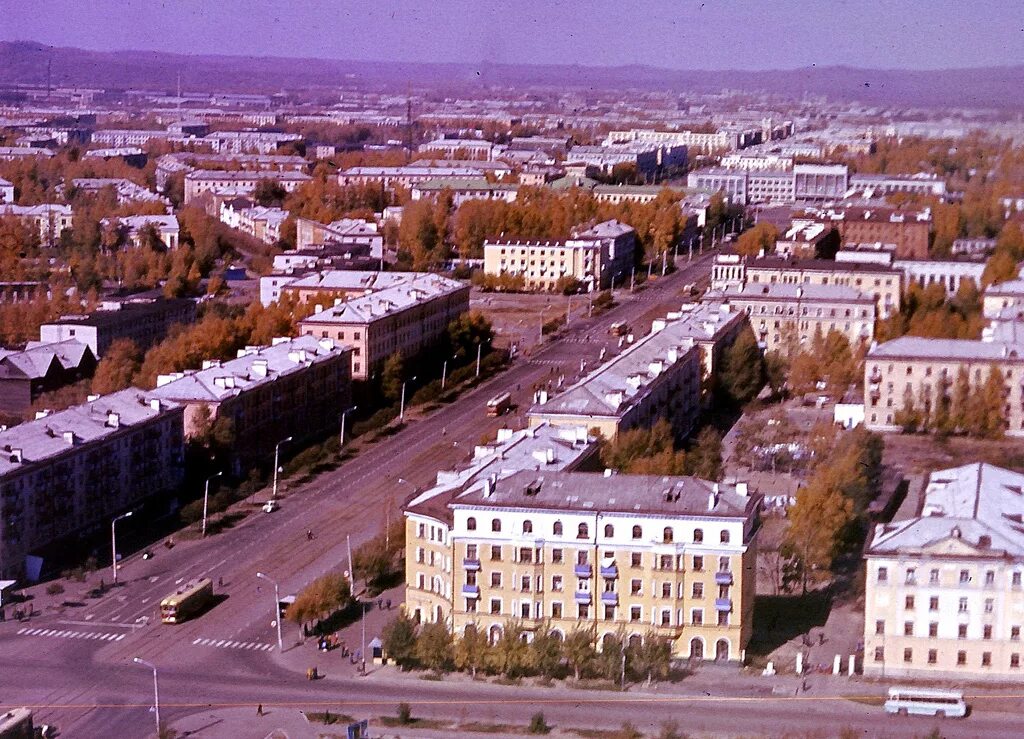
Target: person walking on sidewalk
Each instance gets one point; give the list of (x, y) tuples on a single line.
[(259, 710)]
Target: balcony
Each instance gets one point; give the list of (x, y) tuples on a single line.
[(471, 591), (583, 570), (471, 564), (723, 604), (610, 598), (875, 376), (610, 571), (583, 598), (723, 578)]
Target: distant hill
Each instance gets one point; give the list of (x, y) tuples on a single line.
[(25, 62)]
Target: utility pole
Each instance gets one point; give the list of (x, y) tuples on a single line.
[(351, 571), (479, 350), (206, 500), (156, 690), (113, 542), (277, 608)]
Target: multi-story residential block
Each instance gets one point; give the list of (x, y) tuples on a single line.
[(465, 189), (806, 240), (972, 247), (703, 142), (133, 156), (907, 229), (409, 319), (66, 474), (295, 387), (802, 183), (944, 595), (950, 273), (918, 371), (166, 227), (997, 297), (598, 256), (757, 162), (428, 560), (407, 176), (15, 153), (203, 181), (126, 190), (330, 286), (120, 138), (882, 282), (658, 376), (143, 321), (645, 156), (874, 185), (460, 148), (345, 232), (785, 316), (656, 557), (39, 368), (238, 142), (49, 220), (186, 161)]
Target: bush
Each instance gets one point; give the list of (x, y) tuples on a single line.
[(54, 588), (376, 422), (404, 714), (538, 725), (429, 392)]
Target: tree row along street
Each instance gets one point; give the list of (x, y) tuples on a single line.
[(351, 500)]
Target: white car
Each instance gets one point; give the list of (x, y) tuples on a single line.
[(270, 506)]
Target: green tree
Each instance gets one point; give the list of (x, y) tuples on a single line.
[(742, 373), (269, 192), (547, 652), (399, 641), (434, 647), (118, 367), (468, 331), (580, 651), (472, 650), (511, 655), (705, 458), (651, 659), (776, 367), (392, 377)]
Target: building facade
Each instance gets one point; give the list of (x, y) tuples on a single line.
[(143, 321), (48, 220), (944, 595)]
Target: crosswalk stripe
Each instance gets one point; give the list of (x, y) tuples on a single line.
[(119, 637), (220, 643), (196, 641)]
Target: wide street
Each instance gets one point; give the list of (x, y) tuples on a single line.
[(74, 664)]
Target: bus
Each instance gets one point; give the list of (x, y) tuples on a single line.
[(499, 405), (925, 702), (189, 600)]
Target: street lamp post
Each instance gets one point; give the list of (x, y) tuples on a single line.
[(341, 437), (206, 499), (401, 405), (479, 351), (113, 542), (156, 690), (277, 608), (277, 453)]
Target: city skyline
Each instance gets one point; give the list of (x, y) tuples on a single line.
[(683, 36)]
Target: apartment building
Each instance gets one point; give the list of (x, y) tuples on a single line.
[(944, 594), (464, 189), (658, 376), (875, 185), (345, 232), (40, 368), (17, 153), (757, 162), (714, 142), (126, 190), (49, 220), (801, 183), (262, 223), (406, 176), (143, 321), (464, 148), (184, 162), (668, 557), (597, 255), (121, 138), (238, 142), (330, 286), (949, 273), (784, 315), (167, 229), (408, 318), (67, 474), (917, 370), (1009, 294), (428, 520), (294, 387), (883, 283), (203, 181), (907, 229)]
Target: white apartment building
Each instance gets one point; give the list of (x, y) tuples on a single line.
[(944, 592), (50, 220)]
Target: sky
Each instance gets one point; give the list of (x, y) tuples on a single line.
[(675, 34)]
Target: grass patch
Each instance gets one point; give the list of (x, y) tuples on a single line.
[(482, 728), (414, 723), (598, 733), (329, 717), (432, 676), (599, 685), (507, 681)]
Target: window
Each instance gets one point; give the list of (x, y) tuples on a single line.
[(883, 574), (724, 536), (666, 535), (989, 605), (665, 562), (666, 617), (637, 532), (723, 618), (556, 610), (908, 655), (609, 613), (1015, 633), (933, 629), (582, 531), (933, 656), (1016, 580), (911, 576), (698, 536), (634, 587), (697, 616), (723, 564), (556, 583), (986, 631), (470, 524), (496, 553), (666, 590), (556, 556), (471, 578), (495, 579), (470, 605), (933, 603), (933, 577), (961, 632), (609, 531), (636, 559), (581, 557), (961, 658), (1015, 660), (526, 555), (419, 555), (963, 605), (908, 628), (527, 527), (986, 659), (879, 654), (495, 605), (495, 524), (525, 583), (421, 531), (557, 528), (965, 577), (990, 577), (698, 590), (908, 602), (698, 564), (879, 628)]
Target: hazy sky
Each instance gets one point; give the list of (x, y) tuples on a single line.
[(686, 34)]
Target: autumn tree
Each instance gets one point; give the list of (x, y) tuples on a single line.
[(472, 650), (644, 451), (118, 367), (816, 524), (434, 646), (580, 650), (322, 597), (759, 239), (705, 457)]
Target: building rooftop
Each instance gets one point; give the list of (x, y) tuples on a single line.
[(591, 492), (163, 223), (218, 381), (53, 434), (819, 265), (370, 281), (389, 300), (612, 229), (1009, 289), (977, 504), (44, 209), (36, 359), (785, 291), (413, 170), (116, 313), (465, 183), (247, 174), (917, 347)]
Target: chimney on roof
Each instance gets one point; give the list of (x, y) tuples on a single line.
[(154, 403), (113, 420), (91, 398), (69, 437), (259, 368), (16, 456)]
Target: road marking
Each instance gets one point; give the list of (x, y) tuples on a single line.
[(232, 644), (67, 634)]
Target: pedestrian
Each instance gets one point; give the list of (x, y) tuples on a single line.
[(389, 604), (380, 603), (259, 710), (220, 581)]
